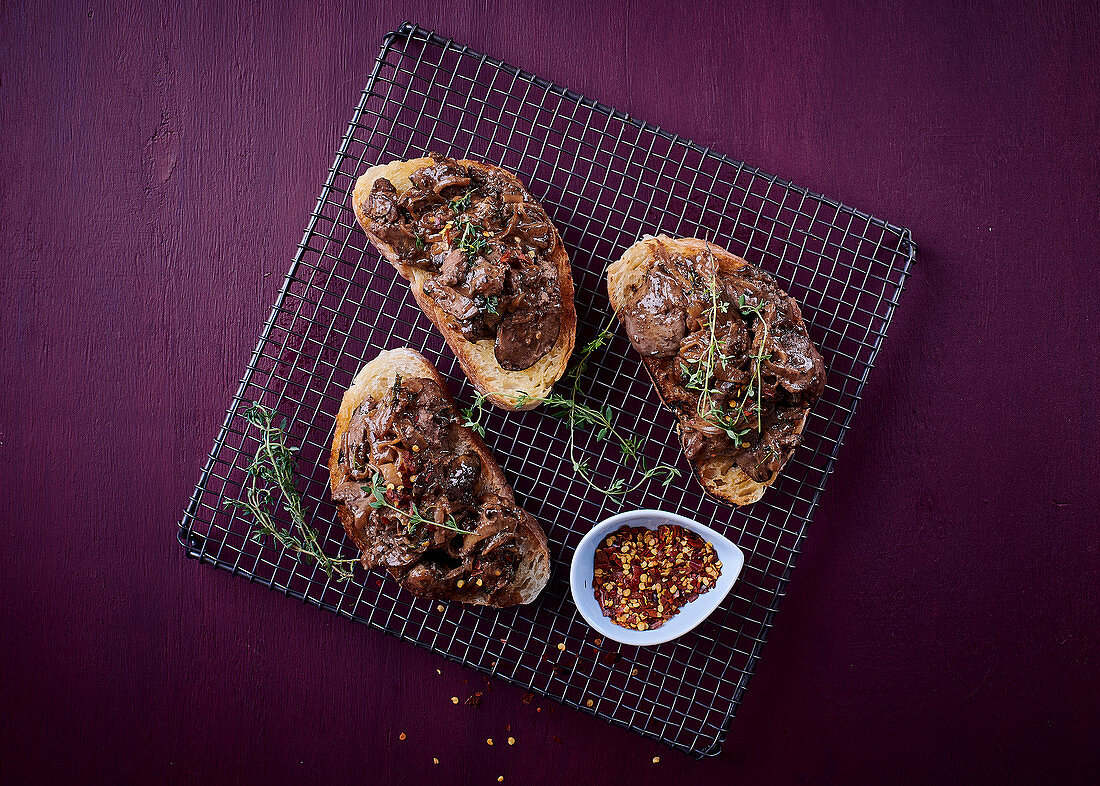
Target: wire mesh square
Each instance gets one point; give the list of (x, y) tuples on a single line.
[(605, 179)]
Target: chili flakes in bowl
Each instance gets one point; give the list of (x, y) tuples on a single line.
[(643, 576)]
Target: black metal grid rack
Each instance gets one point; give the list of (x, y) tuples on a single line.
[(605, 179)]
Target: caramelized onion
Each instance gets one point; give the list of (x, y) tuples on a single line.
[(447, 182), (513, 222), (390, 474)]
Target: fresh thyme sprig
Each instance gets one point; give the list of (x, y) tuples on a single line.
[(712, 345), (413, 518), (487, 304), (728, 421), (733, 420), (472, 415), (462, 204), (578, 415), (757, 360), (470, 238), (274, 462)]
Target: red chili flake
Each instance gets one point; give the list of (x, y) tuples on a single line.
[(643, 577), (528, 698), (475, 700)]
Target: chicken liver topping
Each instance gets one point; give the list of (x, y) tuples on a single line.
[(441, 530), (743, 393), (488, 246)]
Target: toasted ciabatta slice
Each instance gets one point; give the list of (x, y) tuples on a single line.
[(502, 295), (449, 527), (761, 371)]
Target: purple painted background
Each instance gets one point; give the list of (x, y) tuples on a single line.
[(157, 165)]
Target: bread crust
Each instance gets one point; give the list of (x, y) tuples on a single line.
[(719, 476), (478, 359), (372, 382)]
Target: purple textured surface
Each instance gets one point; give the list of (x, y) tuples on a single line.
[(156, 167), (605, 181)]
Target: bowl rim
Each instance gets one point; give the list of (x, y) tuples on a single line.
[(652, 518)]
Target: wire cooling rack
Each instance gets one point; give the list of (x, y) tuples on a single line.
[(605, 180)]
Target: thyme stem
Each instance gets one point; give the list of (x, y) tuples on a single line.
[(700, 379), (413, 518), (579, 414), (712, 345), (274, 462)]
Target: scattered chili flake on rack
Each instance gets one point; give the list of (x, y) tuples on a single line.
[(643, 576)]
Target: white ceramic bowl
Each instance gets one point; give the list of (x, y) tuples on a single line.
[(690, 615)]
